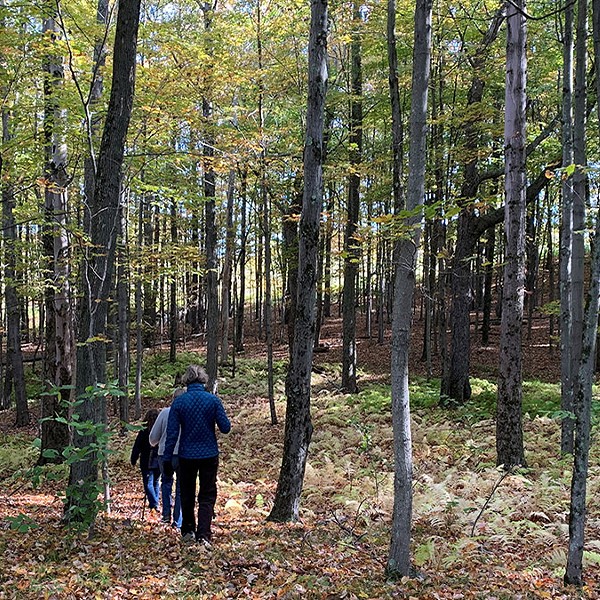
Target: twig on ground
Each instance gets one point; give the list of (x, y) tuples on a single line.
[(496, 486)]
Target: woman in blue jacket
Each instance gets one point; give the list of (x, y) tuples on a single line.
[(193, 418)]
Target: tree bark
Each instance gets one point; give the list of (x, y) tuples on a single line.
[(289, 234), (173, 289), (405, 258), (298, 426), (226, 273), (240, 310), (509, 429), (14, 373), (98, 268), (266, 222), (582, 408), (122, 342), (210, 225), (93, 119), (58, 355), (456, 387), (578, 221), (583, 399), (351, 243), (139, 313), (566, 233)]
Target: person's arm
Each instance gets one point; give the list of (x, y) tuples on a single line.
[(221, 418), (172, 432), (158, 428), (135, 451)]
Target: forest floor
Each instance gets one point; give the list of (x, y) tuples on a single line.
[(477, 533)]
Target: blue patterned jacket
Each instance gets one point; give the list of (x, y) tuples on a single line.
[(196, 412)]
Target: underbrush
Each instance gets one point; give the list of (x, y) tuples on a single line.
[(16, 452), (477, 531)]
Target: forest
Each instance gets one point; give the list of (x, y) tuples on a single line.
[(374, 223)]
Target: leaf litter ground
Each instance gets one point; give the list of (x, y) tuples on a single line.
[(514, 549)]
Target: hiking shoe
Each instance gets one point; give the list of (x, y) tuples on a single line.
[(205, 544), (188, 538), (166, 520)]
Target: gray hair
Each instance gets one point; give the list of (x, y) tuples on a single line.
[(194, 374)]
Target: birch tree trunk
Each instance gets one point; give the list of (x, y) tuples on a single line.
[(298, 426), (405, 258), (509, 429)]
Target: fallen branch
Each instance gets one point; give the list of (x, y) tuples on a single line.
[(496, 486)]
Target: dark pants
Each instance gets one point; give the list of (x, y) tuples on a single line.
[(205, 469), (167, 476)]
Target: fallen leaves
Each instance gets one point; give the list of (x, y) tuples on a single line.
[(339, 549)]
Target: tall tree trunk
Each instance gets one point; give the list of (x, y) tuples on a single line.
[(509, 429), (566, 234), (327, 267), (14, 373), (122, 341), (456, 387), (227, 268), (490, 246), (289, 234), (150, 295), (4, 401), (405, 258), (173, 289), (98, 269), (368, 293), (58, 355), (583, 399), (579, 191), (582, 408), (240, 310), (266, 220), (351, 244), (93, 118), (298, 426), (139, 313), (210, 225)]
